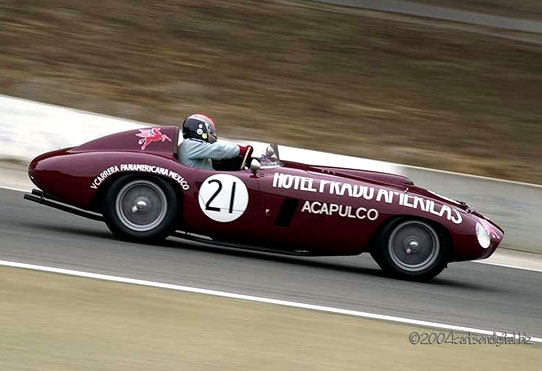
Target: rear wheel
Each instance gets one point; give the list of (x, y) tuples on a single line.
[(411, 249), (143, 209)]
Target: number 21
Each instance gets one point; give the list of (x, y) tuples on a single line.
[(217, 192)]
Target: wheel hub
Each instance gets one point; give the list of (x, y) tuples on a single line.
[(141, 205), (413, 246)]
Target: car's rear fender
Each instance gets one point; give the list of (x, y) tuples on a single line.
[(96, 203), (77, 178)]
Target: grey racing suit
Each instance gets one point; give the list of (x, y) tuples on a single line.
[(198, 153)]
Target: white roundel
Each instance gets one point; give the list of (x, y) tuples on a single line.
[(223, 197)]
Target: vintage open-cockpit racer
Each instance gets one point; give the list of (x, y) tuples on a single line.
[(133, 181)]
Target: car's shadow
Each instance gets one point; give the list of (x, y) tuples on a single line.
[(314, 262), (308, 261)]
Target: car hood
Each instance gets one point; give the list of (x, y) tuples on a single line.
[(385, 179), (354, 174)]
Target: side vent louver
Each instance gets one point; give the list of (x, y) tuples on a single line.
[(287, 211)]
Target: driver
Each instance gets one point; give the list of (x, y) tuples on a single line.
[(200, 144)]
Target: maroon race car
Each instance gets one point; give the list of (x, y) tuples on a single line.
[(134, 182)]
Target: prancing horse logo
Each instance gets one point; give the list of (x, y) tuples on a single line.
[(151, 135)]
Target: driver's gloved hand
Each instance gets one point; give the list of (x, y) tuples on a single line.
[(243, 150)]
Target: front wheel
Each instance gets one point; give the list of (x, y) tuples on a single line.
[(140, 209), (411, 249)]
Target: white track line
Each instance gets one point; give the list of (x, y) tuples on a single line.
[(258, 299)]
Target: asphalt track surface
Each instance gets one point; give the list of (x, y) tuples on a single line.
[(446, 14), (466, 294)]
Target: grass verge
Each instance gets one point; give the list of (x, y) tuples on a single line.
[(56, 322)]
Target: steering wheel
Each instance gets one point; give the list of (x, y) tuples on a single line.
[(248, 153)]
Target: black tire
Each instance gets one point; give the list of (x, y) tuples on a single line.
[(411, 249), (142, 209)]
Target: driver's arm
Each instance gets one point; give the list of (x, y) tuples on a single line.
[(214, 151)]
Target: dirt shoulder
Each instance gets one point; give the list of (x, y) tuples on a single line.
[(307, 75), (56, 322)]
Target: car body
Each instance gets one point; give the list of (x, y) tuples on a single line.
[(133, 179)]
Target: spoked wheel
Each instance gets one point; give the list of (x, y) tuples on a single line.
[(411, 249), (138, 208)]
